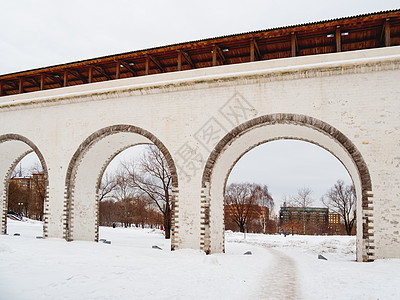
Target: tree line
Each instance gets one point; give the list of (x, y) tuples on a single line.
[(140, 193), (245, 203), (249, 207), (341, 199)]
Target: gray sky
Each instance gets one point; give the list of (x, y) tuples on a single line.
[(42, 33), (288, 165)]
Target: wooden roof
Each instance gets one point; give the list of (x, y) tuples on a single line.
[(345, 34)]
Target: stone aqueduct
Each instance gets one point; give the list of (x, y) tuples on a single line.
[(204, 121)]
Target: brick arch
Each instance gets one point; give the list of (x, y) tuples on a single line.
[(293, 119), (34, 148), (88, 144)]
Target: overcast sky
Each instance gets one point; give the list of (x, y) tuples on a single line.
[(47, 32), (42, 33)]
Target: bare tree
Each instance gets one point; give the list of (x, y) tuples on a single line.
[(243, 202), (142, 206), (151, 176), (107, 186), (302, 199), (155, 218), (238, 203), (110, 212), (124, 194), (264, 200), (18, 198), (341, 199), (38, 192)]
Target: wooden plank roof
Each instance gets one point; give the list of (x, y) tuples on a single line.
[(365, 31)]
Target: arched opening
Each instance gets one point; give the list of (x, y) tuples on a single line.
[(28, 191), (289, 187), (86, 170), (135, 195), (274, 127)]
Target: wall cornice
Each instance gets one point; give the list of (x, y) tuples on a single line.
[(287, 69)]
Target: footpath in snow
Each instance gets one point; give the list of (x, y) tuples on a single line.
[(129, 268)]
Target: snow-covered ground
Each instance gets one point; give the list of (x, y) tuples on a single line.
[(129, 268)]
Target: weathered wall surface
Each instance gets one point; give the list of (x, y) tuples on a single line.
[(357, 93)]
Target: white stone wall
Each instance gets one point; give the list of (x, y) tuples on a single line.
[(358, 93)]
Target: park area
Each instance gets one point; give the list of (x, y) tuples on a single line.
[(138, 264)]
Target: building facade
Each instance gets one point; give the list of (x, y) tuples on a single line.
[(26, 195), (308, 220)]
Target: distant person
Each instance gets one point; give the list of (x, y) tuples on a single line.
[(113, 225)]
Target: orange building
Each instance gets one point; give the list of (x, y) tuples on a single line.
[(27, 195), (334, 225)]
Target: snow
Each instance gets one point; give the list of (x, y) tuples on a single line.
[(338, 277), (129, 268)]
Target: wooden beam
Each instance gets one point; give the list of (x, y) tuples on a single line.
[(57, 78), (387, 32), (90, 75), (1, 88), (13, 84), (156, 62), (147, 66), (179, 60), (293, 44), (254, 50), (65, 83), (221, 55), (37, 83), (20, 86), (214, 55), (258, 52), (128, 67), (102, 72), (188, 59), (33, 81), (117, 70), (78, 75), (41, 82), (338, 36)]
